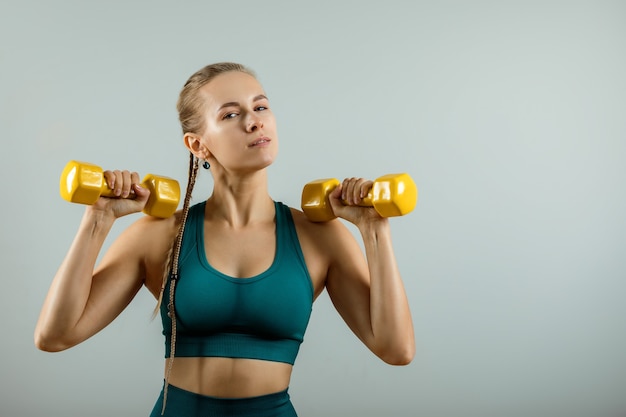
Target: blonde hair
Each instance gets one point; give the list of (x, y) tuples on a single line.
[(190, 106)]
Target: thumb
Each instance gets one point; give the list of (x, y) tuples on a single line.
[(334, 198), (336, 193), (141, 193)]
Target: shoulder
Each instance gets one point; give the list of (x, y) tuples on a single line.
[(318, 230), (321, 230), (330, 239), (153, 229), (150, 237)]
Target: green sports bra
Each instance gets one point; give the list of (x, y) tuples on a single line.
[(262, 317)]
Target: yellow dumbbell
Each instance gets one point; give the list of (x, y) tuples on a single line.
[(391, 195), (84, 183)]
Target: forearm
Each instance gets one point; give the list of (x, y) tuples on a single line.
[(391, 323), (71, 286)]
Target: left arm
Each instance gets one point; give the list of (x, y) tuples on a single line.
[(368, 293)]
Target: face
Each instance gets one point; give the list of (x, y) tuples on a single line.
[(240, 133)]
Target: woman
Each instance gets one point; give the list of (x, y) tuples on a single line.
[(236, 275)]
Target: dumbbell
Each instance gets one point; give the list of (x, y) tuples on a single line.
[(391, 195), (84, 183)]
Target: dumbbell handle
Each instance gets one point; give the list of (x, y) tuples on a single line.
[(331, 183), (98, 182)]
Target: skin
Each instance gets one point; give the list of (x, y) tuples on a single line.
[(367, 291)]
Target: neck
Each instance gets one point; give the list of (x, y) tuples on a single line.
[(240, 201)]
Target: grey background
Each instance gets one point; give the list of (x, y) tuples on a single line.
[(510, 116)]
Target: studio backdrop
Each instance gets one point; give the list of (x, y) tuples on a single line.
[(509, 115)]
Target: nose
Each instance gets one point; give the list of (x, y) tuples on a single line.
[(253, 123)]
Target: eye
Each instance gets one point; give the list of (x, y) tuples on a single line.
[(229, 116), (261, 108)]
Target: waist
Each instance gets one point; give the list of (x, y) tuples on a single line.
[(228, 377)]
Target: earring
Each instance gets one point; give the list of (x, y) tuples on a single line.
[(206, 165)]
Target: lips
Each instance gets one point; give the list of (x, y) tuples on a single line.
[(260, 141)]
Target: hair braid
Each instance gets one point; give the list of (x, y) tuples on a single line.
[(172, 271)]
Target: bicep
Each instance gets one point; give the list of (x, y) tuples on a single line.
[(116, 280)]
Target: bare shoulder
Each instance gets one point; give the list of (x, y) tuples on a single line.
[(322, 243), (324, 233), (149, 240), (155, 233)]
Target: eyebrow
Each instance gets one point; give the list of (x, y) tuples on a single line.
[(236, 103)]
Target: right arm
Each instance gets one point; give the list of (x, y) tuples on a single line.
[(83, 299)]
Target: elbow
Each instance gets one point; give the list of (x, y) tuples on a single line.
[(399, 359), (399, 356), (46, 343)]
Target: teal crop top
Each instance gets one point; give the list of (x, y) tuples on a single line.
[(262, 317)]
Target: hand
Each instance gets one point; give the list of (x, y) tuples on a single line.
[(346, 200), (127, 195)]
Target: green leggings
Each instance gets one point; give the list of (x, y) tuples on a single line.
[(181, 403)]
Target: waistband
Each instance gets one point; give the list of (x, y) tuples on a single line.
[(183, 403)]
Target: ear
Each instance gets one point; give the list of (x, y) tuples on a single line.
[(193, 142)]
